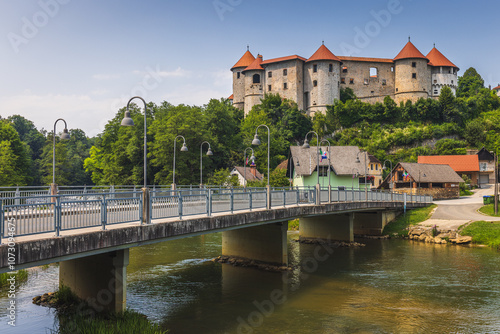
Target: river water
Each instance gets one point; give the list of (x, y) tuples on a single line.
[(388, 286)]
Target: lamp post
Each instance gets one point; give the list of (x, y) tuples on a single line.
[(183, 149), (358, 161), (209, 153), (64, 136), (252, 157), (329, 161), (391, 184), (357, 172), (256, 142), (128, 121), (306, 145)]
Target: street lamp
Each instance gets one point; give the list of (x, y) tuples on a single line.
[(209, 153), (366, 160), (256, 142), (64, 136), (329, 162), (306, 145), (252, 157), (391, 184), (183, 149)]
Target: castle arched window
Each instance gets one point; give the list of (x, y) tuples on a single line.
[(238, 75), (315, 68), (330, 68), (315, 83), (256, 78)]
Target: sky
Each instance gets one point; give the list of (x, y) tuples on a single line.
[(82, 60)]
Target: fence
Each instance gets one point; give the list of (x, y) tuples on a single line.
[(42, 213)]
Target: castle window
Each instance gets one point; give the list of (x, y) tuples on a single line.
[(435, 81), (269, 88), (452, 82), (256, 78), (269, 74), (366, 82), (330, 68), (397, 89), (285, 71), (344, 69), (373, 72), (384, 82), (351, 81), (342, 80), (435, 92), (238, 75), (413, 64), (315, 83), (372, 92), (414, 75), (392, 68), (285, 85), (315, 68)]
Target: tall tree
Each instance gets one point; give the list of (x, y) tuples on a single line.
[(470, 83)]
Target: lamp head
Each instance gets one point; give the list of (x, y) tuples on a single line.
[(306, 144), (209, 152), (252, 157), (256, 140), (65, 134), (184, 148), (127, 120)]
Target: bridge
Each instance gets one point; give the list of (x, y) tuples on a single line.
[(90, 231)]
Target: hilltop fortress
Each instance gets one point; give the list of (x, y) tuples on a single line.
[(315, 83)]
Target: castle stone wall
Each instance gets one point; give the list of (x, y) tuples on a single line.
[(407, 87), (254, 92), (293, 79), (327, 85), (238, 88)]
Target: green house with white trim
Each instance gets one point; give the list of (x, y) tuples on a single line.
[(348, 166)]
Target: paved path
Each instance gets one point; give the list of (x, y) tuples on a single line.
[(450, 214)]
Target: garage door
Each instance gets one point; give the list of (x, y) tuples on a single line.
[(484, 178)]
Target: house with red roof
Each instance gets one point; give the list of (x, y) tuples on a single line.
[(462, 164), (497, 89), (315, 82)]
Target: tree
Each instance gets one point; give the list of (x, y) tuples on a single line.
[(474, 133), (470, 83), (222, 177), (15, 155), (347, 94), (448, 105)]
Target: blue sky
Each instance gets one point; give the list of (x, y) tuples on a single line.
[(83, 59)]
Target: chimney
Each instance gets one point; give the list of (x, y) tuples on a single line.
[(253, 170)]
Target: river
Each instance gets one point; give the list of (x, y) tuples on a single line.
[(388, 286)]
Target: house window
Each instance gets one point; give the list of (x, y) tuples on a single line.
[(351, 81), (238, 75), (285, 85), (344, 69), (366, 82), (414, 75), (384, 82), (373, 72), (376, 166), (483, 166), (269, 74), (342, 80), (323, 171), (371, 166), (269, 87), (315, 68), (315, 83), (413, 64), (256, 78), (285, 71), (330, 68)]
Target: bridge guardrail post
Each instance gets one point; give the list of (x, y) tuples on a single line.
[(209, 202), (104, 213), (251, 199), (298, 195), (57, 215), (284, 197), (180, 204), (2, 216), (268, 197), (17, 201), (232, 199)]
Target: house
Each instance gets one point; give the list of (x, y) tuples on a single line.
[(497, 90), (462, 164), (437, 180), (347, 166), (486, 165), (375, 170), (247, 174)]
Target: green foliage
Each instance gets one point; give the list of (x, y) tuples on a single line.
[(15, 160), (347, 94), (223, 177), (20, 276), (489, 209), (469, 83), (279, 178), (400, 225), (485, 233), (474, 133)]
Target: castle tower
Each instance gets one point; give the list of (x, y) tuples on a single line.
[(321, 80), (412, 77), (254, 81), (443, 73), (239, 79)]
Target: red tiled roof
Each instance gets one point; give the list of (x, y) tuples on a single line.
[(459, 163), (231, 97), (436, 58), (373, 60), (497, 87), (323, 54), (245, 60), (276, 60), (255, 65), (409, 51)]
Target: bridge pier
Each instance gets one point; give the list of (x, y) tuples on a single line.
[(263, 243), (101, 279), (373, 223), (335, 227)]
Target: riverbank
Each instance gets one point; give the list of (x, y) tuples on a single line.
[(400, 226), (484, 233)]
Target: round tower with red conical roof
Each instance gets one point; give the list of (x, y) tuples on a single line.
[(254, 82), (239, 78), (412, 78), (443, 73), (321, 80)]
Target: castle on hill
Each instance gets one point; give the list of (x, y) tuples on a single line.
[(315, 82)]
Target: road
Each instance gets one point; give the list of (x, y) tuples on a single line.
[(450, 214)]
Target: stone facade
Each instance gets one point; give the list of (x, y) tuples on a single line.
[(436, 193), (315, 83)]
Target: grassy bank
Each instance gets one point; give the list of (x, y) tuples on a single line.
[(484, 233), (293, 225), (21, 276), (75, 316), (489, 209), (412, 217)]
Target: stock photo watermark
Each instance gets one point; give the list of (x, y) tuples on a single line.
[(363, 36), (11, 280), (30, 27), (224, 6)]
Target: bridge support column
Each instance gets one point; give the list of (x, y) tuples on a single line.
[(101, 280), (338, 227), (373, 223), (263, 243)]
